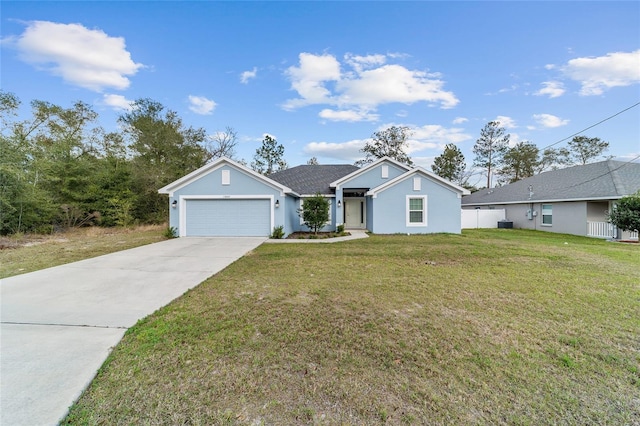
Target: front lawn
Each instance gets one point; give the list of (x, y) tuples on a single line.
[(487, 327)]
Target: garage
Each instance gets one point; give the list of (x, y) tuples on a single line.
[(227, 217)]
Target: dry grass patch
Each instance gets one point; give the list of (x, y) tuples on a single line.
[(24, 253), (489, 327)]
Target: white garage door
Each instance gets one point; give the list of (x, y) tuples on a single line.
[(228, 218)]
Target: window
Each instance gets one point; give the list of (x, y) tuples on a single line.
[(226, 177), (385, 172), (547, 214), (416, 211)]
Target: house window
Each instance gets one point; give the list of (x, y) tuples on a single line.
[(417, 183), (416, 211), (226, 177), (547, 214), (385, 172)]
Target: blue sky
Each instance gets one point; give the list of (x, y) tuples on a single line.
[(323, 76)]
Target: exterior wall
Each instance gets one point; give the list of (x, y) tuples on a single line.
[(241, 184), (568, 217), (291, 216), (389, 209), (597, 211)]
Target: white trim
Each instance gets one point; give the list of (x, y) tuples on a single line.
[(183, 206), (424, 211), (215, 165), (554, 200), (432, 176), (353, 174)]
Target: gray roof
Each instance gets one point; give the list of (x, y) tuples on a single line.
[(604, 180), (312, 179)]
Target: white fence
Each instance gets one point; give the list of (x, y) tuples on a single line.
[(481, 218), (607, 230), (601, 230)]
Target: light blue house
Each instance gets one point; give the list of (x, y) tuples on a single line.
[(225, 198)]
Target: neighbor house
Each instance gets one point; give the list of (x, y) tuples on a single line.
[(574, 200), (225, 198)]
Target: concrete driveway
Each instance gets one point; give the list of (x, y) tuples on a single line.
[(60, 324)]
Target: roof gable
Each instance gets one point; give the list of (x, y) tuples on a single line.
[(366, 168), (415, 171), (214, 165), (603, 180)]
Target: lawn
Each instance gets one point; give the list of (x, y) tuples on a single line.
[(24, 253), (487, 327)]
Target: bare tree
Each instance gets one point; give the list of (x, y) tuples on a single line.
[(222, 144)]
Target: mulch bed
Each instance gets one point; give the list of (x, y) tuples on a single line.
[(312, 236)]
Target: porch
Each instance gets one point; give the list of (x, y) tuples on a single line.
[(608, 230)]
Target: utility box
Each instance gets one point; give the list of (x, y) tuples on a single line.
[(505, 224)]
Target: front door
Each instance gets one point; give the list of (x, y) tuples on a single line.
[(354, 213)]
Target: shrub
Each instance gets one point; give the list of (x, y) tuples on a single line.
[(626, 213), (278, 232), (340, 229), (170, 232)]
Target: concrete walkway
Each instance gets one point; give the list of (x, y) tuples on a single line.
[(60, 324)]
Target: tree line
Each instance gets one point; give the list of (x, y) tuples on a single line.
[(58, 169), (496, 158)]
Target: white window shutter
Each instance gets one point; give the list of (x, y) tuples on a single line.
[(417, 184), (226, 177)]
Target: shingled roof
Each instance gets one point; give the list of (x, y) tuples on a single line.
[(603, 180), (312, 179)]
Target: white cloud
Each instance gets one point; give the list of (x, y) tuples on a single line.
[(82, 57), (422, 138), (460, 120), (346, 151), (309, 78), (434, 136), (347, 115), (601, 73), (117, 102), (506, 122), (549, 121), (553, 89), (361, 62), (319, 79), (248, 75), (201, 105)]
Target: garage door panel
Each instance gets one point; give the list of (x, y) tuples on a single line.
[(228, 218)]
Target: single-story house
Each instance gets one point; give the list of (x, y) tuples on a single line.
[(574, 200), (225, 198)]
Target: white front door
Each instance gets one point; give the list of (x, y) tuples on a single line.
[(354, 213)]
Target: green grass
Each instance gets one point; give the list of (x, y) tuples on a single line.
[(487, 327), (20, 254)]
